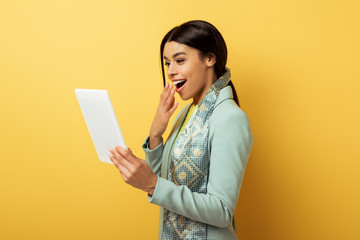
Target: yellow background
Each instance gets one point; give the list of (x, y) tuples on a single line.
[(295, 65)]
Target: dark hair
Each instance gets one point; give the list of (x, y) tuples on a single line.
[(204, 37)]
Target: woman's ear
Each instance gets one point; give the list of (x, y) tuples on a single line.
[(211, 60)]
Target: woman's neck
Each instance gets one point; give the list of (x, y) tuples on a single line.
[(197, 99)]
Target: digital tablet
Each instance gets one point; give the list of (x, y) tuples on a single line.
[(101, 121)]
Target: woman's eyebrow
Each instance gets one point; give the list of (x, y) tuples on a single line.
[(175, 55)]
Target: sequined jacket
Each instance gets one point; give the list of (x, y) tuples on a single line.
[(230, 143)]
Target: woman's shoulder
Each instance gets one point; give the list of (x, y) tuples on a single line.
[(228, 121), (228, 111)]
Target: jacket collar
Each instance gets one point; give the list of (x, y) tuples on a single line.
[(224, 94)]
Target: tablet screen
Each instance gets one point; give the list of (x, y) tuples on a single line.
[(101, 121)]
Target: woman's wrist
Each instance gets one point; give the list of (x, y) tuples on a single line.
[(154, 141), (152, 188)]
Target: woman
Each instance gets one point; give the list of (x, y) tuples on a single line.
[(196, 176)]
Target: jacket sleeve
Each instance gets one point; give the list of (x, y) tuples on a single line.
[(153, 156), (230, 143)]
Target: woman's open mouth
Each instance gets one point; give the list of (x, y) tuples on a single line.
[(179, 85)]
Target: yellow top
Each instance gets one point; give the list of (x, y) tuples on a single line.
[(187, 119)]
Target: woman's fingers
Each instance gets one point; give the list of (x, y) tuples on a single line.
[(116, 154), (114, 160), (125, 173), (163, 115), (172, 109), (169, 102), (169, 93), (121, 162), (133, 170), (123, 159), (166, 92), (117, 164), (125, 154)]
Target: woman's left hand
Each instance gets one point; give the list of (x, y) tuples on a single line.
[(133, 170)]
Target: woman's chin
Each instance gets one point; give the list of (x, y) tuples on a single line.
[(184, 96)]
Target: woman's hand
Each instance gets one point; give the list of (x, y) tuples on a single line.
[(164, 111), (133, 170)]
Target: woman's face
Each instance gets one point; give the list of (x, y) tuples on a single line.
[(191, 75)]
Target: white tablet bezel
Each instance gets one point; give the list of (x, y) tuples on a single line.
[(101, 121)]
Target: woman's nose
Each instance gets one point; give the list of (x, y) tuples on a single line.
[(171, 71)]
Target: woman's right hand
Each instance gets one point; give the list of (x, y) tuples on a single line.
[(164, 111)]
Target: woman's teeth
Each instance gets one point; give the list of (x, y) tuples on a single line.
[(179, 84)]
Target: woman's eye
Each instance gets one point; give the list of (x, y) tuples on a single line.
[(167, 64), (180, 60)]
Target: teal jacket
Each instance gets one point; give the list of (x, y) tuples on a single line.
[(230, 143)]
